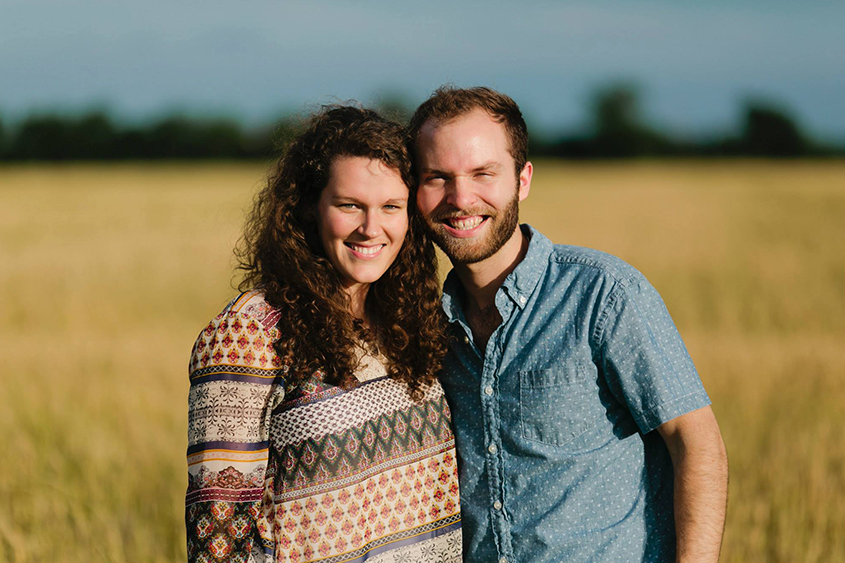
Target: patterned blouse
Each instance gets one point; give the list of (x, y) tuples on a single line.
[(311, 472)]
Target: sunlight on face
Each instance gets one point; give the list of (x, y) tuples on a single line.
[(362, 219), (469, 191)]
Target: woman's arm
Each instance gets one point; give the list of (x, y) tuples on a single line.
[(236, 378)]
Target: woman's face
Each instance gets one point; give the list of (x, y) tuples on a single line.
[(362, 218)]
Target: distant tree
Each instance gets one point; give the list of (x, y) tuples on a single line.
[(620, 128), (173, 137), (284, 131), (179, 137), (770, 132), (395, 106), (222, 139), (92, 137), (44, 137), (55, 137)]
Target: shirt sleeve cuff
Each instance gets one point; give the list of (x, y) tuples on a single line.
[(665, 412)]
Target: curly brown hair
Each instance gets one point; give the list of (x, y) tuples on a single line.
[(449, 102), (282, 256)]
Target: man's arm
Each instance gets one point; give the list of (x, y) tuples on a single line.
[(701, 483)]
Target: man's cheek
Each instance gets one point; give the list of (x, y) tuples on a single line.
[(427, 202)]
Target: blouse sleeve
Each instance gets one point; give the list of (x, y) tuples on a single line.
[(236, 380)]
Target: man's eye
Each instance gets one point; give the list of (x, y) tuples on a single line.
[(347, 206)]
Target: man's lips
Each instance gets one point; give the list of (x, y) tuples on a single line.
[(464, 225)]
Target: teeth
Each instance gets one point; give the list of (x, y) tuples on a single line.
[(466, 224), (366, 250)]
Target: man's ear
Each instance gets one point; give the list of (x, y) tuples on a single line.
[(525, 180)]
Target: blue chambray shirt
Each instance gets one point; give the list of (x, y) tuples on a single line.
[(558, 461)]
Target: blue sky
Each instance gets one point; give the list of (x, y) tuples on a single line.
[(695, 61)]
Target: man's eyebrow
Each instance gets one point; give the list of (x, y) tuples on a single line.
[(431, 171), (492, 165)]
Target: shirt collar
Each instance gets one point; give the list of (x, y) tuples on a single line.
[(518, 285)]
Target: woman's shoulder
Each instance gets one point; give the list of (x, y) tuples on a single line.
[(251, 305), (243, 333), (250, 310)]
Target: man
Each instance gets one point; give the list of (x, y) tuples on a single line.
[(565, 363)]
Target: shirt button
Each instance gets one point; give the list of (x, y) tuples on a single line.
[(492, 448), (503, 560), (466, 339), (488, 390), (497, 505), (522, 299)]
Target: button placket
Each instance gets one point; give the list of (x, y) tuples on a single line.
[(493, 357)]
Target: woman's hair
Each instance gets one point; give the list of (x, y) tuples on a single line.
[(282, 255)]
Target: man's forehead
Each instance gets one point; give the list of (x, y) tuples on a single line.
[(477, 124), (474, 114)]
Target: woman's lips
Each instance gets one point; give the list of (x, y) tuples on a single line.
[(365, 251)]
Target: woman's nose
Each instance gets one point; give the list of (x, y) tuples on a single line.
[(370, 225)]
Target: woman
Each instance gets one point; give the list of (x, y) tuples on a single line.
[(317, 429)]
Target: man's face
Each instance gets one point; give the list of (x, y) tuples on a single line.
[(469, 191)]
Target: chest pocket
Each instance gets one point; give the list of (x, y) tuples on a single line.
[(556, 405)]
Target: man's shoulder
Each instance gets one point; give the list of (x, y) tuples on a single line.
[(594, 263)]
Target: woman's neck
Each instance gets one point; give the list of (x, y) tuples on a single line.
[(358, 300)]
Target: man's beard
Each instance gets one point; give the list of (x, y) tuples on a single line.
[(471, 250)]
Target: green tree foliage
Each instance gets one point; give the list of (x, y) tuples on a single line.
[(618, 129), (395, 106), (770, 132)]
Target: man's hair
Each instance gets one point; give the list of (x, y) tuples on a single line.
[(282, 255), (448, 103)]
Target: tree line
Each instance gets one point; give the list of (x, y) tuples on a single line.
[(618, 130)]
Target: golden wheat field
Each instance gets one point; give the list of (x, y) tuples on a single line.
[(107, 273)]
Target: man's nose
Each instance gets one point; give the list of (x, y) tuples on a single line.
[(459, 193)]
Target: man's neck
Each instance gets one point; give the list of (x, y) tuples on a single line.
[(482, 280)]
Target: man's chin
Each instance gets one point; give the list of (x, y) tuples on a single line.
[(462, 251)]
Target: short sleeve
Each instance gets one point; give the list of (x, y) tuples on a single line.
[(236, 379), (643, 357)]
